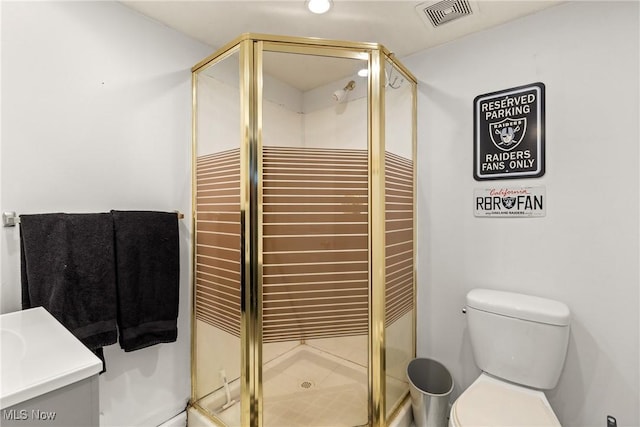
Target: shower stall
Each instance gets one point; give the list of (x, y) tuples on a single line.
[(304, 233)]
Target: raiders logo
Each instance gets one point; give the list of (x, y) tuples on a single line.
[(508, 202), (508, 133)]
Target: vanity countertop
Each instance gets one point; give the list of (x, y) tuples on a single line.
[(39, 355)]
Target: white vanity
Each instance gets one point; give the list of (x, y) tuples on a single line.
[(47, 376)]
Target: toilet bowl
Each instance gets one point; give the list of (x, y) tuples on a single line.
[(492, 402), (520, 344)]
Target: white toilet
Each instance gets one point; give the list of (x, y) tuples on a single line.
[(520, 343)]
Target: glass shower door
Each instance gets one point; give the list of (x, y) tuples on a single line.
[(399, 233), (315, 240), (217, 267), (304, 249)]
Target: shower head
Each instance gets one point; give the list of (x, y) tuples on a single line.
[(340, 94)]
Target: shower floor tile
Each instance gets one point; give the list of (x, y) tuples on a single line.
[(305, 387), (312, 388)]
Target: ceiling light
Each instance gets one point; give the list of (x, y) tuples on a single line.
[(363, 72), (319, 6)]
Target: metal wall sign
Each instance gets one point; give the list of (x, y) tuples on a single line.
[(514, 202), (509, 133)]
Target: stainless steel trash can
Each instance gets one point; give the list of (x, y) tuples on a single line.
[(431, 385)]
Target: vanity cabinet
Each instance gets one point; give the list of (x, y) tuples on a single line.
[(47, 377)]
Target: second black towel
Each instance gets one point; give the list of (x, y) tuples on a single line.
[(147, 269)]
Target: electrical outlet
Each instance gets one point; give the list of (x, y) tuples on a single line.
[(611, 421)]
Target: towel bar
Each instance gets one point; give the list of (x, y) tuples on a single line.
[(11, 219)]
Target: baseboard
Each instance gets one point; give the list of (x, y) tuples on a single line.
[(179, 420)]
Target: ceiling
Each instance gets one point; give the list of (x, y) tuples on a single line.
[(394, 24)]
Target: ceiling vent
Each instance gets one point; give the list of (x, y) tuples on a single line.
[(440, 12)]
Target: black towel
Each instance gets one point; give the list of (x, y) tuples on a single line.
[(147, 269), (68, 267)]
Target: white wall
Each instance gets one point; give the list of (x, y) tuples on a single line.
[(585, 251), (96, 115), (343, 125), (218, 100)]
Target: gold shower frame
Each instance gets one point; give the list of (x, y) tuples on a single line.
[(251, 47)]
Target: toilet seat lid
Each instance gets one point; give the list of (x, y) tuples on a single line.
[(488, 403)]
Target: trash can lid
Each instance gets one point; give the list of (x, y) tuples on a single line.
[(495, 404)]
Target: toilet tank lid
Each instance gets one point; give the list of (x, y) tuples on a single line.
[(519, 306)]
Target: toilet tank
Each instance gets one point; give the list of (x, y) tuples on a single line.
[(519, 338)]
